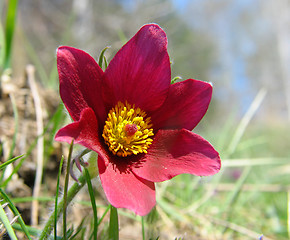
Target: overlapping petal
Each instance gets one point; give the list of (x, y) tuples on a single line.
[(84, 132), (140, 71), (126, 190), (80, 82), (139, 74), (186, 104), (122, 187), (174, 152)]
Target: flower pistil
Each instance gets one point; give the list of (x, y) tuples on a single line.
[(127, 130)]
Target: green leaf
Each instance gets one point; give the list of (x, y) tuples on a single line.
[(10, 161), (103, 58), (7, 224), (174, 80), (106, 63), (2, 48), (92, 197), (9, 30), (16, 120), (114, 225), (143, 228), (16, 213), (104, 214), (81, 228), (32, 231), (16, 123)]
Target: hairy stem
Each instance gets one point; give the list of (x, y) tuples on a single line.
[(72, 192)]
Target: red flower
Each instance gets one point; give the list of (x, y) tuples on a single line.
[(137, 122)]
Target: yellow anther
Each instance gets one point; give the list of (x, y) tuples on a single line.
[(127, 131)]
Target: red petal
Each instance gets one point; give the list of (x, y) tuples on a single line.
[(122, 187), (185, 106), (80, 82), (84, 132), (140, 71), (126, 190), (174, 152)]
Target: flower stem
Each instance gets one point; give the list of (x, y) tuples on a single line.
[(65, 202), (72, 192)]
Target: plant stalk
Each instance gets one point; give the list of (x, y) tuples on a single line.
[(72, 192)]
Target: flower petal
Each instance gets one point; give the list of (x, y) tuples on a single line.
[(185, 106), (140, 72), (84, 132), (124, 189), (80, 82), (174, 152)]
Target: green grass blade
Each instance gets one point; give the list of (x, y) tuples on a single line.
[(81, 228), (92, 197), (237, 189), (53, 77), (56, 197), (16, 120), (16, 213), (65, 201), (114, 224), (10, 161), (32, 231), (143, 228), (7, 224), (36, 61), (104, 214), (9, 30), (72, 192), (29, 151), (15, 170), (2, 47), (245, 121), (122, 37), (170, 210), (288, 213), (30, 199)]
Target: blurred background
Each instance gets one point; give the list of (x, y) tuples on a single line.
[(242, 47)]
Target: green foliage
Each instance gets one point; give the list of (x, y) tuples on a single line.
[(247, 198), (15, 212), (56, 197), (9, 31), (93, 202), (6, 223), (4, 165), (102, 58), (114, 224), (65, 195), (2, 47)]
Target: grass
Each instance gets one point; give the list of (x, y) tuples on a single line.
[(248, 198)]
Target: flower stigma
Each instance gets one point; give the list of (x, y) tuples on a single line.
[(127, 130)]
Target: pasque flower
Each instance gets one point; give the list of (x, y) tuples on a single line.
[(138, 123)]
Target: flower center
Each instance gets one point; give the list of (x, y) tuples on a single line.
[(127, 130)]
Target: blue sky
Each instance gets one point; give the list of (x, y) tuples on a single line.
[(233, 40)]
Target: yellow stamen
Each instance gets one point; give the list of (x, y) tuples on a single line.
[(127, 130)]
